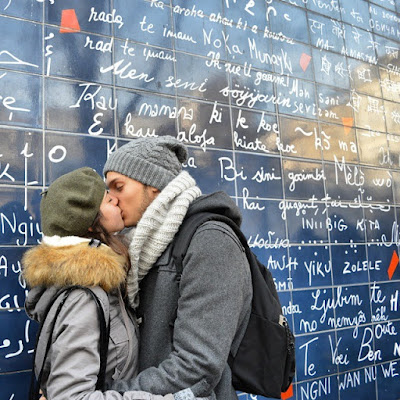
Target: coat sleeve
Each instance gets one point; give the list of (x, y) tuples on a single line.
[(75, 360), (214, 291)]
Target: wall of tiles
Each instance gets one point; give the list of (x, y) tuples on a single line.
[(291, 107)]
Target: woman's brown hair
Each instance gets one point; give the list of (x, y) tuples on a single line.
[(114, 241)]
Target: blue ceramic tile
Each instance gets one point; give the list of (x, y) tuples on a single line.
[(146, 22), (354, 343), (143, 67), (255, 132), (349, 264), (373, 152), (15, 385), (389, 4), (68, 152), (207, 6), (12, 285), (326, 388), (386, 340), (210, 126), (248, 48), (296, 58), (394, 156), (352, 385), (145, 115), (330, 9), (379, 220), (21, 158), (297, 3), (384, 22), (252, 13), (346, 224), (333, 105), (17, 341), (195, 79), (357, 45), (313, 266), (326, 33), (22, 45), (288, 308), (357, 14), (31, 9), (314, 360), (392, 117), (209, 179), (200, 36), (306, 221), (281, 267), (380, 258), (19, 216), (316, 310), (290, 21), (364, 79), (301, 138), (385, 304), (386, 50), (66, 52), (262, 224), (330, 69), (303, 178), (389, 85), (344, 181), (388, 381), (369, 113), (83, 107), (378, 186), (21, 100), (262, 176), (299, 101), (352, 307), (254, 90), (255, 50), (94, 16), (340, 143)]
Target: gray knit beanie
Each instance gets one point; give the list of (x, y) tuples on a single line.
[(154, 161), (71, 203)]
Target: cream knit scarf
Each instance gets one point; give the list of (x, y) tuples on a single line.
[(157, 228)]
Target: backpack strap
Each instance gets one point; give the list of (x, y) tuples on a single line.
[(259, 273), (188, 229), (103, 343)]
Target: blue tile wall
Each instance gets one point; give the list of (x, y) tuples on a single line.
[(290, 106)]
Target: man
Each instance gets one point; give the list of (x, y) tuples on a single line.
[(190, 327)]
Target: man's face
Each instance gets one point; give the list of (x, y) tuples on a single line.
[(133, 197)]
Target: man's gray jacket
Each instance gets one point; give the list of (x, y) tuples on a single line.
[(190, 327)]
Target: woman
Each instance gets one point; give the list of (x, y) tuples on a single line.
[(78, 248)]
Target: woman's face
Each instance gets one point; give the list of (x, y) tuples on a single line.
[(111, 217)]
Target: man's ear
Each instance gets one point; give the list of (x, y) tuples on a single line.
[(154, 192)]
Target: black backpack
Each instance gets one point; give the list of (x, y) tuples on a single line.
[(265, 361)]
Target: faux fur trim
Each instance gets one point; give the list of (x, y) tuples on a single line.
[(63, 241), (80, 264)]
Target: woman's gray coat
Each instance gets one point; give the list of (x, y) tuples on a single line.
[(73, 362)]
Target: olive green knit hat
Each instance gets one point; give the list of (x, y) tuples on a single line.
[(71, 203)]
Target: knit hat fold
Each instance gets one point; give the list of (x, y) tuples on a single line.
[(151, 161)]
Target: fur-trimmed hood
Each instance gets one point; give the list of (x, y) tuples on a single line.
[(60, 262), (77, 264)]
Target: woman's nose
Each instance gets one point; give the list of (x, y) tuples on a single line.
[(114, 199)]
